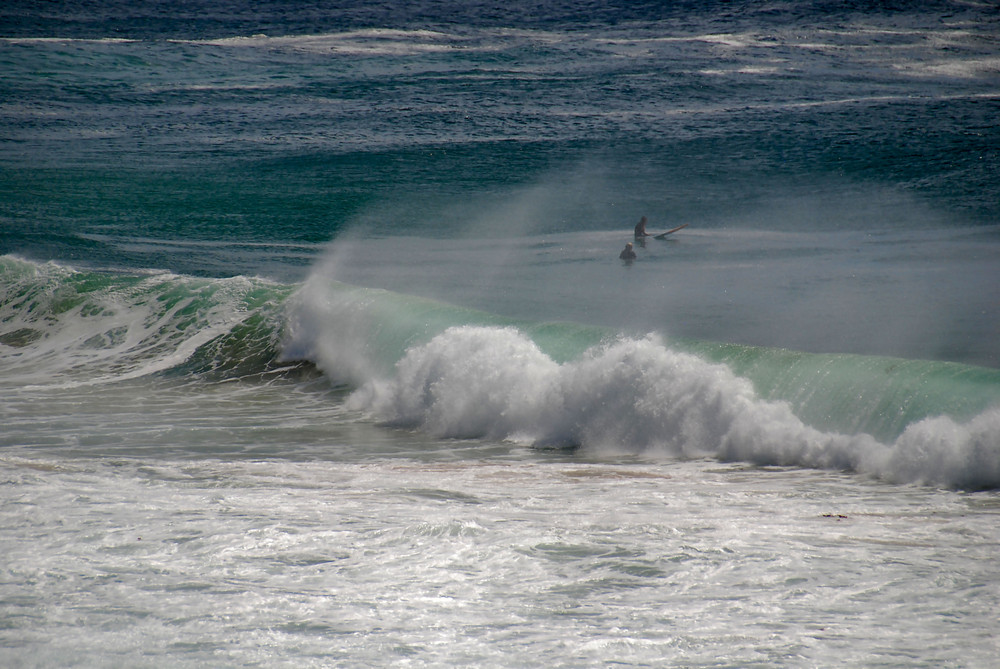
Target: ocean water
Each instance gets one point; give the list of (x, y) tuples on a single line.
[(316, 349)]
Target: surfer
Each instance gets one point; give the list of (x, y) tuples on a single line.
[(640, 229), (627, 253), (641, 234)]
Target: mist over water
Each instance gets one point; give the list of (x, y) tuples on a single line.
[(880, 273)]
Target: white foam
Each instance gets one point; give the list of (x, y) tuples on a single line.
[(370, 42), (941, 451), (327, 328), (638, 396), (962, 68), (115, 333), (467, 382)]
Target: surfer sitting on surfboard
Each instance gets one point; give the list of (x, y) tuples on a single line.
[(641, 234)]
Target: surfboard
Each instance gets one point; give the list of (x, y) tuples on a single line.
[(664, 234)]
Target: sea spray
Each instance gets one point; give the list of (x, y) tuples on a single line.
[(628, 395), (187, 508), (354, 333), (453, 372)]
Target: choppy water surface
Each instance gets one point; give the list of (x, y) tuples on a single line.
[(316, 350), (490, 562)]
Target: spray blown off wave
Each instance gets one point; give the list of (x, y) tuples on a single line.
[(622, 395)]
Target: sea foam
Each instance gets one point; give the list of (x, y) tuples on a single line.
[(637, 396)]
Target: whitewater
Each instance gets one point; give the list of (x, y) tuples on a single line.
[(316, 348)]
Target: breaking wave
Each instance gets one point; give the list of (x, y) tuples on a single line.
[(455, 373)]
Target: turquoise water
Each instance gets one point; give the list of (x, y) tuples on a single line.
[(316, 350)]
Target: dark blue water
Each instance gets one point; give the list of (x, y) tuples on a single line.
[(286, 122)]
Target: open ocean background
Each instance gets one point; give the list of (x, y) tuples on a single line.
[(316, 350)]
